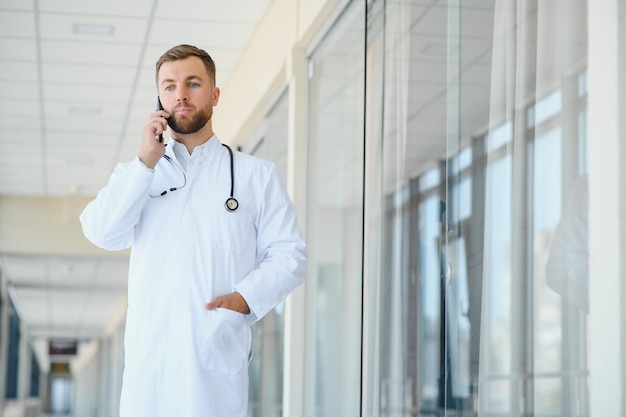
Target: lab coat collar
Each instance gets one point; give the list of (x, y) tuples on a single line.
[(209, 148)]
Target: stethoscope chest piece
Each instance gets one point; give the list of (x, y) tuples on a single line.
[(231, 204)]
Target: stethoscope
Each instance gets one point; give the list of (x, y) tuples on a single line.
[(231, 203)]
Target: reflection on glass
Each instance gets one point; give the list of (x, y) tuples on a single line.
[(567, 266), (545, 108), (335, 220), (473, 156), (457, 316), (430, 213), (499, 136), (497, 275), (546, 364)]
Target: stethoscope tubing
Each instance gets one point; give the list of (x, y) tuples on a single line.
[(231, 204)]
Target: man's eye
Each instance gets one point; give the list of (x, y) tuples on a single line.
[(169, 88), (194, 85)]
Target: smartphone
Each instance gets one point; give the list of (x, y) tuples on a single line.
[(159, 107)]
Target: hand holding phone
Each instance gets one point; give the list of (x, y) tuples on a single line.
[(159, 107)]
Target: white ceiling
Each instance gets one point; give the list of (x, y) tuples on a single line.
[(71, 106)]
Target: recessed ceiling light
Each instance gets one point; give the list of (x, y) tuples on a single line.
[(93, 29)]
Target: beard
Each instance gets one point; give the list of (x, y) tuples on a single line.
[(197, 121)]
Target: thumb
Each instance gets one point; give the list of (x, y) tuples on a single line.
[(215, 303)]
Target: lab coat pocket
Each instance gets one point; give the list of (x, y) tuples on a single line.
[(224, 344), (239, 227)]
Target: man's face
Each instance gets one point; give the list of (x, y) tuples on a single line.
[(187, 93)]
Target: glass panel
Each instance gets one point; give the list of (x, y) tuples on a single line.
[(497, 273), (536, 231), (418, 334), (272, 143), (335, 220), (476, 209), (266, 366)]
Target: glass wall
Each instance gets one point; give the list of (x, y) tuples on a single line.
[(335, 220), (422, 265), (541, 114), (456, 132)]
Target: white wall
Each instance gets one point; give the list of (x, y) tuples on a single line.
[(607, 104)]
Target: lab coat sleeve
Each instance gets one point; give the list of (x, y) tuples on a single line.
[(281, 251), (110, 219), (567, 267)]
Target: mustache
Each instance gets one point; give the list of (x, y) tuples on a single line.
[(182, 106)]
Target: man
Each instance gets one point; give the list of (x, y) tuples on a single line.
[(201, 272)]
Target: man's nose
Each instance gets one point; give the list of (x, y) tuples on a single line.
[(182, 95)]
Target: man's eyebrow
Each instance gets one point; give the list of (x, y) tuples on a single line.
[(190, 78)]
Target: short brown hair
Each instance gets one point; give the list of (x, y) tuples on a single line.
[(185, 51)]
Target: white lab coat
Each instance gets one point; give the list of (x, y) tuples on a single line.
[(180, 359)]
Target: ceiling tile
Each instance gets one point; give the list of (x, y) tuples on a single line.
[(89, 74), (74, 52), (91, 93), (20, 129), (81, 127), (17, 49), (17, 5), (101, 111), (19, 90), (15, 150), (17, 107), (17, 24)]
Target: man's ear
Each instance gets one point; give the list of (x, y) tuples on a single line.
[(215, 98)]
